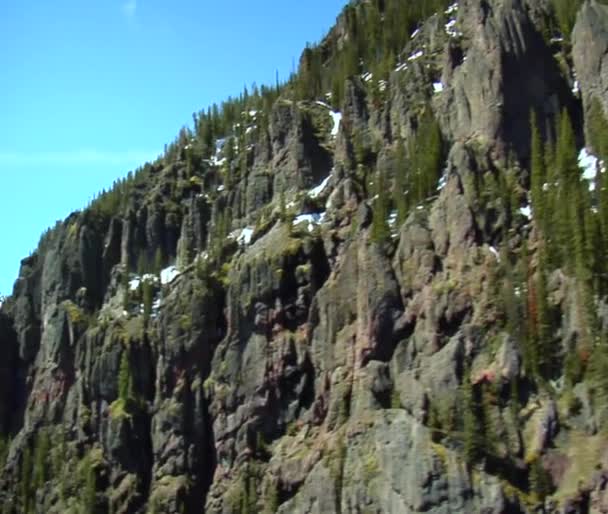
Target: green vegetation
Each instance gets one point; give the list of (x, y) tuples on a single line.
[(128, 400), (418, 170), (376, 33), (565, 13), (380, 228)]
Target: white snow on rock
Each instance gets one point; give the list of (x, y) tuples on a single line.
[(415, 33), (367, 76), (156, 305), (450, 29), (415, 55), (335, 116), (437, 87), (214, 161), (220, 188), (337, 119), (443, 180), (382, 85), (316, 191), (495, 252), (588, 164), (401, 67), (576, 87), (526, 211), (245, 236), (168, 275), (134, 284), (310, 219), (452, 8)]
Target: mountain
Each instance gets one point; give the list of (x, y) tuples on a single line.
[(378, 287)]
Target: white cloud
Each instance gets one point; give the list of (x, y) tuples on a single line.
[(74, 158), (129, 8)]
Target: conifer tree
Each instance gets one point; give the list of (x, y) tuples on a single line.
[(545, 350), (26, 490), (569, 183), (380, 228), (148, 296), (125, 381), (400, 187), (158, 261), (472, 435), (41, 453), (538, 174), (89, 492)]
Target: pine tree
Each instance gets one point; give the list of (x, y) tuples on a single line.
[(538, 174), (597, 129), (25, 485), (158, 261), (545, 349), (569, 185), (565, 11), (400, 192), (148, 296), (125, 381), (472, 434), (89, 492), (41, 453), (380, 228), (540, 480)]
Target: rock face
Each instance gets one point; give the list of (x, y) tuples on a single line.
[(590, 53), (233, 335)]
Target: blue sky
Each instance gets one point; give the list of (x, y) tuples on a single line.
[(91, 89)]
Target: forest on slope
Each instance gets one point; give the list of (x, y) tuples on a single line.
[(380, 286)]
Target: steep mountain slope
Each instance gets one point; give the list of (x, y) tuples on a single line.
[(377, 288)]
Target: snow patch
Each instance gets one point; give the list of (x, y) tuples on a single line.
[(337, 119), (437, 87), (452, 8), (526, 211), (168, 275), (451, 30), (415, 55), (415, 33), (316, 191), (495, 252), (310, 219), (367, 76), (392, 218), (443, 181), (401, 67), (335, 116), (588, 163), (246, 235)]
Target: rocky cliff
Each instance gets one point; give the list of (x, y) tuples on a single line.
[(255, 327)]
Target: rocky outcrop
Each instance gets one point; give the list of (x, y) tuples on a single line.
[(231, 334), (590, 53)]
